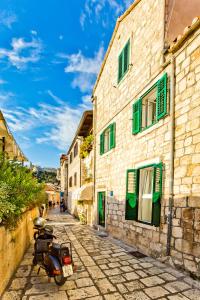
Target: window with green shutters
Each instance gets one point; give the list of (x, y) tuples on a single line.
[(123, 61), (151, 107), (107, 138), (131, 194), (143, 194)]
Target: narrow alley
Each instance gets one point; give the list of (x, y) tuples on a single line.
[(106, 270)]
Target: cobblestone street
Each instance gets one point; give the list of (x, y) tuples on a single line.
[(106, 270)]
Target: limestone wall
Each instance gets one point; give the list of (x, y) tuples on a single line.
[(186, 222), (13, 245), (74, 167), (113, 103), (145, 28)]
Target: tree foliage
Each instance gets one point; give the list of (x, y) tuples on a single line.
[(19, 191), (86, 146)]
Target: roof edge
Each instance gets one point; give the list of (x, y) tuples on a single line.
[(10, 133), (84, 115), (181, 39), (120, 19)]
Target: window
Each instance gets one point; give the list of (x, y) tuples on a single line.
[(75, 178), (71, 157), (75, 149), (151, 107), (143, 194), (107, 139), (2, 144), (123, 61), (70, 181)]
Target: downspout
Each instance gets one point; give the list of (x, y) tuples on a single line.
[(172, 148), (94, 221), (172, 130)]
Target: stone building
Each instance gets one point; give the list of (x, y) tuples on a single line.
[(8, 145), (80, 171), (147, 135), (63, 177)]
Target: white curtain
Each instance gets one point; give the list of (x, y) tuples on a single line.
[(145, 195)]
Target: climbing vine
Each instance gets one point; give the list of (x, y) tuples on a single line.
[(86, 146)]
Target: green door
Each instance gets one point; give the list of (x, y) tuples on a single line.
[(101, 208)]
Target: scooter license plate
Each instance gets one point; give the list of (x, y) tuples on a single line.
[(67, 270)]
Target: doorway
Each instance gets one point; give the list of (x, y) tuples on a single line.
[(101, 208)]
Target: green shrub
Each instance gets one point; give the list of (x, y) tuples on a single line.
[(19, 191), (86, 146)]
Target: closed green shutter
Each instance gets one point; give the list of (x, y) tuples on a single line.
[(137, 110), (102, 143), (112, 135), (161, 102), (157, 194), (126, 57), (131, 194), (120, 67)]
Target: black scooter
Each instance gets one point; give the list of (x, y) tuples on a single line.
[(55, 259)]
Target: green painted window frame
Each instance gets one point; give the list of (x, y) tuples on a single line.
[(132, 199), (161, 105), (112, 138), (123, 65)]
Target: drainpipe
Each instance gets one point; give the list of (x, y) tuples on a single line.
[(94, 221), (172, 148), (163, 33)]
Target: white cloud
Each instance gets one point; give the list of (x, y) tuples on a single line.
[(2, 81), (128, 3), (33, 32), (97, 10), (84, 68), (7, 18), (57, 122), (5, 97), (22, 52)]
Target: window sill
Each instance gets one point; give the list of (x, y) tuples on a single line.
[(151, 128), (143, 225), (107, 153), (124, 76)]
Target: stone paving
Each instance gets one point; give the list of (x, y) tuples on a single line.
[(106, 270)]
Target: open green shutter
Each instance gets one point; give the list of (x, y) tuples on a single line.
[(126, 57), (112, 135), (161, 102), (157, 194), (120, 67), (131, 194), (137, 109), (102, 143)]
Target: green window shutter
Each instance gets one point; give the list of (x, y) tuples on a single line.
[(102, 143), (161, 102), (137, 110), (112, 135), (120, 67), (131, 194), (157, 194), (126, 53)]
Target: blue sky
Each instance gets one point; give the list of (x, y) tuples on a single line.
[(50, 55)]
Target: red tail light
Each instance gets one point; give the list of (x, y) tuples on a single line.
[(56, 272), (66, 260)]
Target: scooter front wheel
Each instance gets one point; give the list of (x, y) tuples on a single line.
[(60, 279)]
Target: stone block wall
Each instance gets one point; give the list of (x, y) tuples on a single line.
[(74, 167), (186, 214), (114, 104), (13, 245)]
